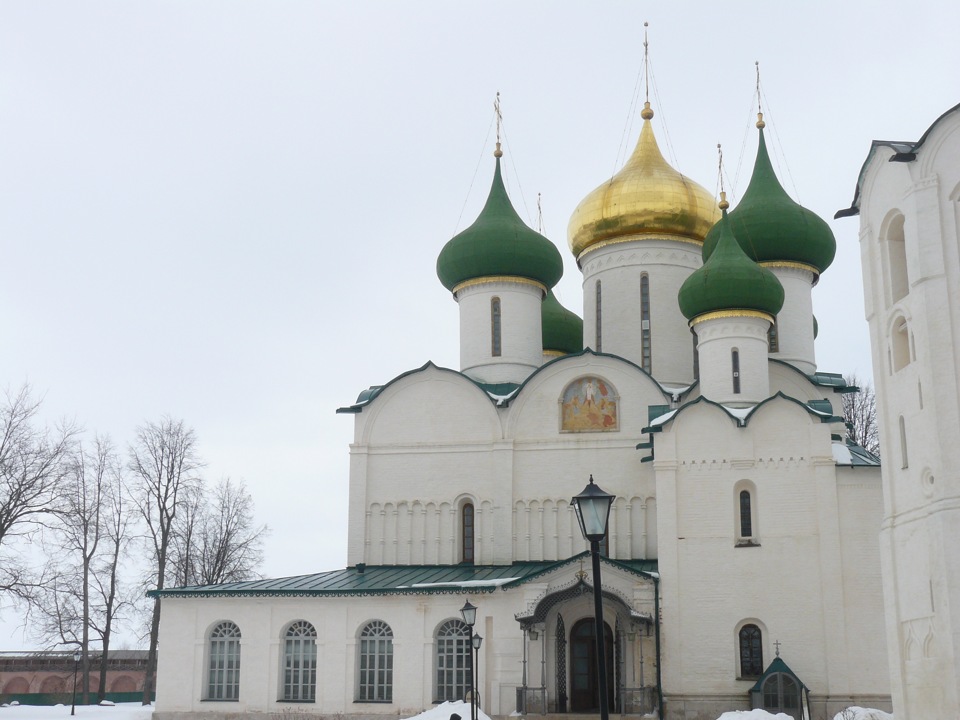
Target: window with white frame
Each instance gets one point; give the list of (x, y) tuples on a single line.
[(454, 660), (300, 663), (223, 678), (375, 680)]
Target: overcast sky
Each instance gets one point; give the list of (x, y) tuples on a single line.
[(230, 212)]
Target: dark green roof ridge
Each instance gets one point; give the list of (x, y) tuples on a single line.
[(397, 580), (499, 243), (771, 227)]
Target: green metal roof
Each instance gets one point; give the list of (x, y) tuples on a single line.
[(729, 280), (361, 580), (771, 227), (562, 329), (499, 243)]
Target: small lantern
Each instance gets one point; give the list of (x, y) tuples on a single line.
[(593, 511), (469, 613)]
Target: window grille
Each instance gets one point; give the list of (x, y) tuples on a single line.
[(300, 663), (376, 663), (746, 518), (223, 682), (735, 364), (645, 323), (751, 652), (467, 531), (495, 345), (599, 318), (454, 660)]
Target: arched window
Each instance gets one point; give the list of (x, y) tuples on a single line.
[(645, 322), (773, 339), (495, 347), (746, 515), (897, 260), (735, 368), (454, 660), (466, 532), (696, 355), (781, 694), (900, 340), (376, 663), (599, 318), (300, 663), (223, 682), (751, 651), (904, 462)]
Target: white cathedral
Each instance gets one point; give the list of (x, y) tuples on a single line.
[(742, 567)]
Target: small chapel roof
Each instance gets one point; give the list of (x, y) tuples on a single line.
[(363, 579)]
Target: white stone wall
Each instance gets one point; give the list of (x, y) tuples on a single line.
[(809, 579), (521, 339), (795, 319), (433, 441), (912, 301), (717, 338), (619, 267), (413, 620)]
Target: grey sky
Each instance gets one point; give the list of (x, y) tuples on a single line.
[(230, 212)]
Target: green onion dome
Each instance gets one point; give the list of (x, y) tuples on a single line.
[(562, 328), (730, 281), (499, 243), (771, 227)]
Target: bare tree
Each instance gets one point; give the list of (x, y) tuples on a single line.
[(109, 596), (80, 550), (218, 541), (860, 413), (33, 469), (164, 466)]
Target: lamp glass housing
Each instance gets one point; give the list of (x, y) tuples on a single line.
[(477, 640), (592, 507), (469, 613), (76, 655)]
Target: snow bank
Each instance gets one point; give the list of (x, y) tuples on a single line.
[(443, 711), (753, 715), (859, 713), (120, 711)]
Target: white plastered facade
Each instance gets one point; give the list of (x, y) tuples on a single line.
[(685, 575), (909, 206)]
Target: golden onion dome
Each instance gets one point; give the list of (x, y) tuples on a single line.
[(646, 199)]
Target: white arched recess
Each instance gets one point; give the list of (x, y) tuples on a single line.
[(550, 465)]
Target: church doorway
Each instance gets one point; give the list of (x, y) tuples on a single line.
[(584, 685)]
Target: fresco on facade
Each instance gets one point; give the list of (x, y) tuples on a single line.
[(589, 404)]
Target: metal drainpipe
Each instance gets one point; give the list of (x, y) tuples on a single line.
[(656, 610)]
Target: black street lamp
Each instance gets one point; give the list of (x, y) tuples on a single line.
[(593, 512), (76, 667), (474, 702), (469, 614)]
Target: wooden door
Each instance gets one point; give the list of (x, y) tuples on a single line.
[(583, 666)]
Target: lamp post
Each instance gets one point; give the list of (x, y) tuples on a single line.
[(76, 667), (469, 614), (592, 507), (474, 704)]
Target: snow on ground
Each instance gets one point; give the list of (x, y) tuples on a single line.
[(120, 711), (136, 711)]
